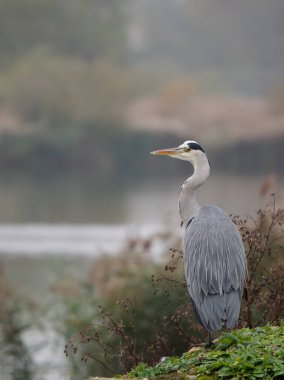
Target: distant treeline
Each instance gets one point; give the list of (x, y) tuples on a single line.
[(259, 156), (102, 150), (118, 152), (222, 42)]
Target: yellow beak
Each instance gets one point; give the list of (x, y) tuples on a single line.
[(167, 152)]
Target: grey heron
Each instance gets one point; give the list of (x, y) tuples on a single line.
[(213, 251)]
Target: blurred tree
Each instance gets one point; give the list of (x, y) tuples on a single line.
[(50, 91), (87, 29), (240, 42)]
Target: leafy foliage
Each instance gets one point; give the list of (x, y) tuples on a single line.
[(243, 354)]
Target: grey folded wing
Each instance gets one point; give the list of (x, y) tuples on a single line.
[(215, 267)]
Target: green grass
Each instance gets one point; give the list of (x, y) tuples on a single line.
[(242, 354)]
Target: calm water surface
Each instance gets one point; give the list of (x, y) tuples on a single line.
[(65, 200), (73, 216)]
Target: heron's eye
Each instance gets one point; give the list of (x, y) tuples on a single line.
[(186, 149)]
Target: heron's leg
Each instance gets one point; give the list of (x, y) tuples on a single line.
[(209, 341)]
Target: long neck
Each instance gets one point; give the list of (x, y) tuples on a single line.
[(188, 205)]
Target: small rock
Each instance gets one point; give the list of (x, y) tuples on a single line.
[(163, 359), (195, 349)]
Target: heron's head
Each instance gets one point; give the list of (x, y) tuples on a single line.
[(189, 151)]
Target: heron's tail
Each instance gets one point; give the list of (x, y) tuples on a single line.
[(218, 310)]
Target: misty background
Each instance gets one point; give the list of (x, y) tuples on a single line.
[(87, 90)]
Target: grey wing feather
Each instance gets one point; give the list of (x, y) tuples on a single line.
[(215, 267)]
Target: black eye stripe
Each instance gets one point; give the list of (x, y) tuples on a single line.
[(195, 146)]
